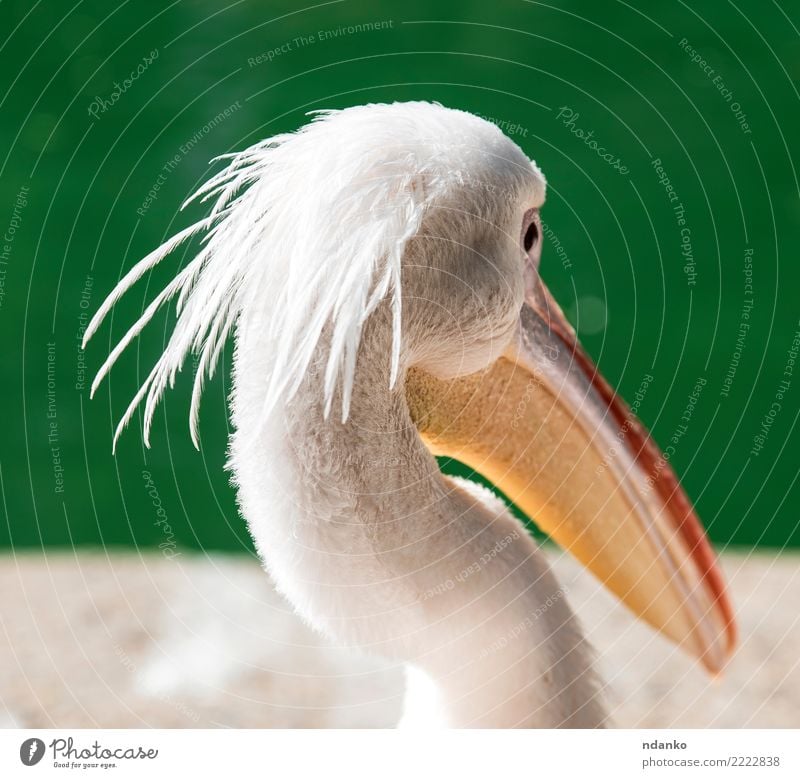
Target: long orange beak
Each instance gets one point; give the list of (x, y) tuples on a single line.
[(546, 428)]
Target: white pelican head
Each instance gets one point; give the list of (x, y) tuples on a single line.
[(379, 266)]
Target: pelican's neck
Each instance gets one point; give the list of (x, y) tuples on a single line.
[(372, 545)]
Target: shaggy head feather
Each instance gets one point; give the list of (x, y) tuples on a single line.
[(314, 224)]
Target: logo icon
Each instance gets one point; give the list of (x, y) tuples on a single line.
[(31, 751)]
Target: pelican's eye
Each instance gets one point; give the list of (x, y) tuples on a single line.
[(531, 237)]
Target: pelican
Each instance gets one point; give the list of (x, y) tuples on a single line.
[(378, 270)]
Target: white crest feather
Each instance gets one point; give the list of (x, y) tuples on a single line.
[(305, 227)]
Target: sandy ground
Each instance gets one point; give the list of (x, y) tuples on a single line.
[(136, 641)]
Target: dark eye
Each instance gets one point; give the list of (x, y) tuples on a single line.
[(531, 236)]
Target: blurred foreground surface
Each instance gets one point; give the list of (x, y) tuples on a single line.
[(127, 640)]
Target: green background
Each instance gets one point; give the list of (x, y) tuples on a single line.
[(623, 70)]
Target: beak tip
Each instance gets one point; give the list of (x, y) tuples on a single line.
[(716, 666), (715, 656)]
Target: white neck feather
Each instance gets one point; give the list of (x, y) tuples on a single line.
[(376, 548), (354, 521)]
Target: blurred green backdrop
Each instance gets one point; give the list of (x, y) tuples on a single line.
[(691, 282)]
